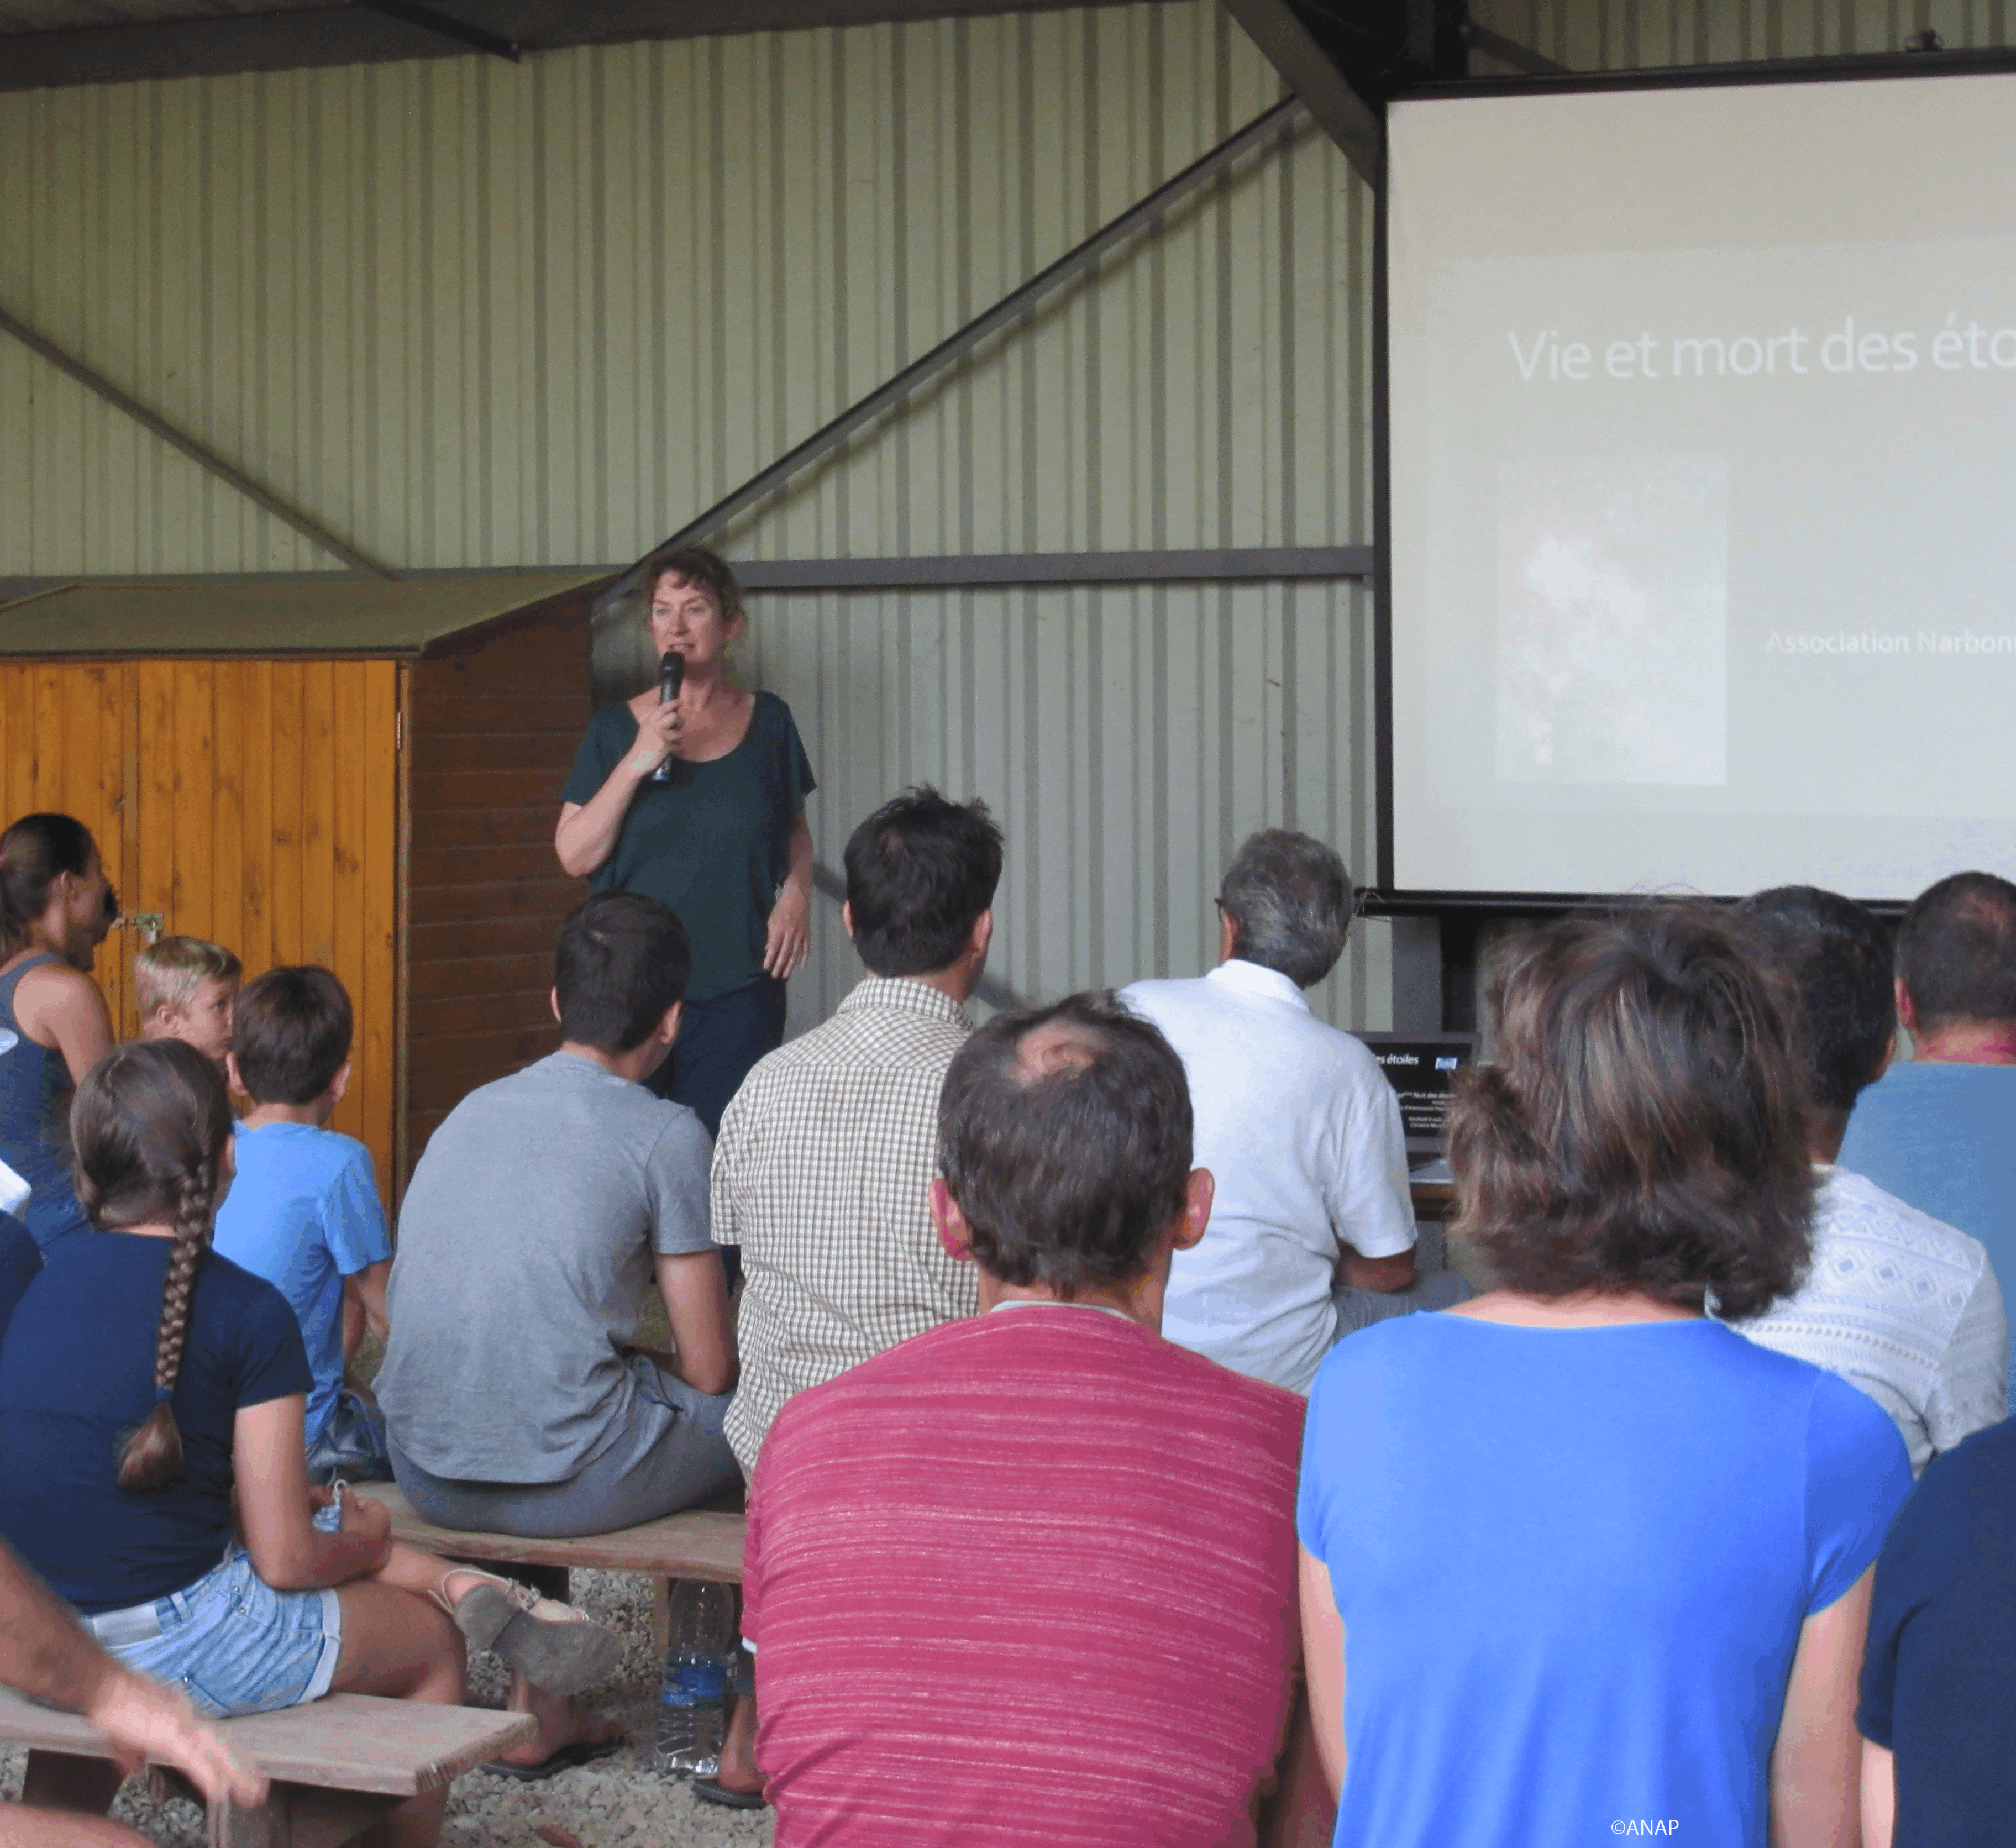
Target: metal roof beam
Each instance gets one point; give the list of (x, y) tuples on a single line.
[(201, 454), (1307, 69), (458, 31), (318, 37)]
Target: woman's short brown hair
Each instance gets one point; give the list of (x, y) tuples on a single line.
[(700, 569), (1643, 1127)]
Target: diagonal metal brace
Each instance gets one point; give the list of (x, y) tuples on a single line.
[(1283, 122), (204, 457)]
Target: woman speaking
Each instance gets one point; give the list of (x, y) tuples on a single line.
[(722, 837)]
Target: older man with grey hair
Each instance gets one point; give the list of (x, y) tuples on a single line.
[(1313, 1235)]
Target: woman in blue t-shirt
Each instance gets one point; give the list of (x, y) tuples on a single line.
[(1578, 1560), (143, 1377)]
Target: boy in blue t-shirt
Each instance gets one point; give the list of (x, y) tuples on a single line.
[(304, 1211)]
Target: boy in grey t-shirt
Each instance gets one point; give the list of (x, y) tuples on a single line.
[(544, 1208)]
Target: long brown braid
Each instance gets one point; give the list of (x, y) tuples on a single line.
[(149, 1124)]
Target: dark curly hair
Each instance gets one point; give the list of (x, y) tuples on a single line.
[(1836, 956), (1067, 1174), (1643, 1127)]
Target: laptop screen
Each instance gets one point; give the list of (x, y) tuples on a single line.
[(1421, 1068)]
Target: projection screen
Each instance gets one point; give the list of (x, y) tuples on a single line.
[(1703, 488)]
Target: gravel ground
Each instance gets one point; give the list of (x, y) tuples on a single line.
[(614, 1803)]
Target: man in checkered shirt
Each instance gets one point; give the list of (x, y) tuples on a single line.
[(826, 1155)]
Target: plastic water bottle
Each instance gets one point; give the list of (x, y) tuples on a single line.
[(693, 1695)]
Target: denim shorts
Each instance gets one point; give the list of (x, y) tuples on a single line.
[(231, 1642)]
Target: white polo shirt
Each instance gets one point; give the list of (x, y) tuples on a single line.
[(1302, 1132)]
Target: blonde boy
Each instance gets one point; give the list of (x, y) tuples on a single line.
[(187, 989)]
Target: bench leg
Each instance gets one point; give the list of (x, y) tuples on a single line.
[(230, 1825), (298, 1816), (68, 1781), (661, 1617)]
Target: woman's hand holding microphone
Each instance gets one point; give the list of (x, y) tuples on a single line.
[(657, 738)]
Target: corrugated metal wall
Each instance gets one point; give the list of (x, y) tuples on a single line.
[(468, 314), (1128, 740)]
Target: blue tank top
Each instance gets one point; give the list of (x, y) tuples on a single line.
[(32, 1077)]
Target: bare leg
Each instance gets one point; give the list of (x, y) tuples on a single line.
[(738, 1750), (561, 1723), (401, 1646), (424, 1574), (40, 1828)]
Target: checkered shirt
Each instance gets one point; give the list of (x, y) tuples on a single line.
[(822, 1174)]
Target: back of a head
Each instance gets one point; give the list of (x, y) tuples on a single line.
[(1064, 1136), (622, 960), (148, 1126), (33, 853), (1956, 951), (167, 972), (1643, 1127), (920, 872), (1836, 956), (291, 1034), (1289, 897)]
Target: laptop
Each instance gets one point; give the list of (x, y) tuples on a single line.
[(1421, 1068)]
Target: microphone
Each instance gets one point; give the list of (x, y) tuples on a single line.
[(672, 677)]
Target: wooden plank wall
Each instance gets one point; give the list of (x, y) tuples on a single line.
[(253, 802), (495, 730)]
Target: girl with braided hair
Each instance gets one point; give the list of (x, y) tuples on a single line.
[(144, 1378)]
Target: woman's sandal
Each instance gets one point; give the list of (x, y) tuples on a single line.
[(551, 1644)]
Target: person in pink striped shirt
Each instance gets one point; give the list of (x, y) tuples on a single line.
[(1029, 1577)]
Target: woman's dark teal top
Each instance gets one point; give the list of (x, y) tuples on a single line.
[(714, 842)]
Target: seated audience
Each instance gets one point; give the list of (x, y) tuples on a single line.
[(1894, 1303), (1938, 1678), (824, 1170), (303, 1212), (1939, 1129), (544, 1208), (1312, 1232), (55, 908), (186, 989), (1601, 1560), (45, 1655), (826, 1154), (1029, 1576), (145, 1381)]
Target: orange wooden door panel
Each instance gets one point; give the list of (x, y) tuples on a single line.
[(252, 802)]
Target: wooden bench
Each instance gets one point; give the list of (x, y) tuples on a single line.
[(697, 1544), (336, 1765)]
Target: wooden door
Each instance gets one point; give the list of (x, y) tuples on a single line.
[(253, 802)]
